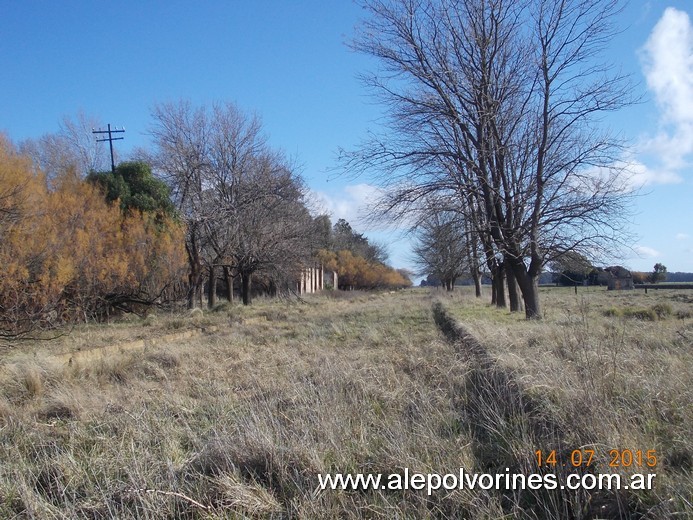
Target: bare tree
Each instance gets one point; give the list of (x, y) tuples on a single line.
[(242, 203), (273, 233), (498, 103), (180, 136), (441, 247), (72, 147)]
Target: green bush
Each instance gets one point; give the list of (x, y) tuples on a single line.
[(662, 310), (640, 314), (612, 312)]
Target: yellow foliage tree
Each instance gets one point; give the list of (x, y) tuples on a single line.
[(355, 272), (69, 255)]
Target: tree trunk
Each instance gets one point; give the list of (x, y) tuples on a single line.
[(529, 285), (473, 259), (212, 288), (246, 282), (229, 283), (499, 286), (513, 290), (492, 266), (476, 276), (195, 277), (531, 298)]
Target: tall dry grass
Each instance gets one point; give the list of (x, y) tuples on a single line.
[(612, 371), (237, 423)]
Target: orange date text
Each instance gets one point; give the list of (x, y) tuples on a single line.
[(585, 457)]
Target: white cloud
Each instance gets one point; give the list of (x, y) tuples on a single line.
[(366, 193), (629, 174), (642, 175), (646, 252), (351, 203), (636, 174), (682, 236), (668, 63), (667, 60)]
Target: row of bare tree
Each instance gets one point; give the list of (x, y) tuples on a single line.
[(242, 202), (494, 151)]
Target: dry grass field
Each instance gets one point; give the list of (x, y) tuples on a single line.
[(238, 420), (606, 371)]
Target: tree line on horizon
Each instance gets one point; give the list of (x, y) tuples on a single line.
[(569, 270), (575, 269)]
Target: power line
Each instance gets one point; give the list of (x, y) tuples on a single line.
[(110, 140)]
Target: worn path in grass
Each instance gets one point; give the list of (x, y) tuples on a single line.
[(508, 425)]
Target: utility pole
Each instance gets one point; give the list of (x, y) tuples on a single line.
[(110, 140)]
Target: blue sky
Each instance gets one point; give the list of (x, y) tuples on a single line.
[(287, 61)]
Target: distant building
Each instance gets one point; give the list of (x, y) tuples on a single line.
[(619, 278)]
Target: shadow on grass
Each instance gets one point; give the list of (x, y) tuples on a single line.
[(508, 426)]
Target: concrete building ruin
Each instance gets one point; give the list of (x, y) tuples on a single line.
[(313, 279)]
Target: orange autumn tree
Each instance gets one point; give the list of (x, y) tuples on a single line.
[(23, 299), (118, 258), (355, 272), (358, 263), (69, 255)]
